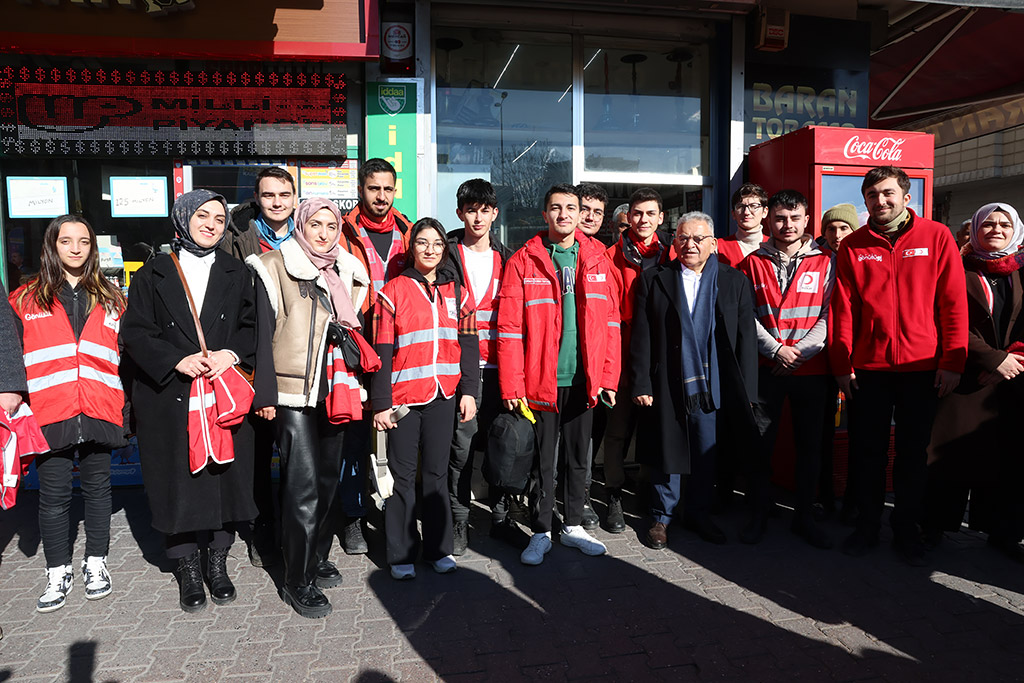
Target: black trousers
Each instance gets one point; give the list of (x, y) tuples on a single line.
[(826, 485), (573, 422), (262, 485), (807, 395), (470, 440), (177, 546), (310, 449), (910, 398), (55, 485), (427, 432)]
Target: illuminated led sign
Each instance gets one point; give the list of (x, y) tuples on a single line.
[(144, 112)]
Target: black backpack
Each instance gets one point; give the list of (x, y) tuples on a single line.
[(511, 449)]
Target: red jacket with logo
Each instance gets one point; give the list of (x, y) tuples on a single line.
[(530, 323), (67, 377), (899, 307), (790, 316)]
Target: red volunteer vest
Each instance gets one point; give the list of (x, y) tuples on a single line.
[(214, 406), (66, 378), (789, 318), (486, 310), (345, 394), (426, 348)]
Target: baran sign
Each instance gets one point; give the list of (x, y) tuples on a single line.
[(97, 112)]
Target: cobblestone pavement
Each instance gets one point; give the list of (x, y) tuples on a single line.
[(779, 611)]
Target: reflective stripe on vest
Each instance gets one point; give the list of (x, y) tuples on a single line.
[(486, 310), (426, 352), (789, 317), (66, 378)]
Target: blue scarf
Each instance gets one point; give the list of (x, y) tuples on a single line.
[(699, 354), (268, 235)]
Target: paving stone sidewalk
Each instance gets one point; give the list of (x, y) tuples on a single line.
[(779, 611)]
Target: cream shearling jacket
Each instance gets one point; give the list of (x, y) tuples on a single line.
[(299, 299)]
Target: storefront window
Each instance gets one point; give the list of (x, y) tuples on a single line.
[(504, 113), (645, 110)]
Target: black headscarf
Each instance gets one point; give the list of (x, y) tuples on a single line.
[(181, 213)]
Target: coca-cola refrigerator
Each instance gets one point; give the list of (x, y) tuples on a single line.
[(828, 164)]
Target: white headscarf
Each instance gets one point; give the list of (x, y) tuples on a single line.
[(980, 216)]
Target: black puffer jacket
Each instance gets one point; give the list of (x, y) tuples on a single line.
[(241, 237)]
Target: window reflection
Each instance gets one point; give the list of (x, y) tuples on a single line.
[(644, 110), (502, 116)]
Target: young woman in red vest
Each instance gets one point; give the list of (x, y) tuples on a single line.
[(426, 337), (313, 289), (71, 316)]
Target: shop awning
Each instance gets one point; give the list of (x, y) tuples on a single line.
[(946, 55)]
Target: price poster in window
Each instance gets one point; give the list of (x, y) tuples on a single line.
[(138, 197), (37, 197)]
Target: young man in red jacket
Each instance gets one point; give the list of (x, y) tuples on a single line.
[(749, 209), (899, 343), (793, 281), (558, 349), (639, 248)]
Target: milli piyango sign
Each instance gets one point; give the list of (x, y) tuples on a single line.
[(127, 112)]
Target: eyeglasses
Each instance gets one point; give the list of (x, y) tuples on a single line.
[(424, 245), (696, 239), (597, 212), (752, 208)]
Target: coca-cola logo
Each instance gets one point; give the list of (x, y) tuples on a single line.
[(884, 149)]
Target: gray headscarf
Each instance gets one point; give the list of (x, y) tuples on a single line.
[(1015, 241), (181, 213)]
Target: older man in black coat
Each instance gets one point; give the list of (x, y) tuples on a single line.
[(693, 365)]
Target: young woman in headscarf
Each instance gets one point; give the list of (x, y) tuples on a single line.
[(425, 334), (194, 511), (972, 452), (70, 316), (313, 288)]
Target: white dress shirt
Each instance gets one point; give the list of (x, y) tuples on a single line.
[(197, 275), (691, 283)]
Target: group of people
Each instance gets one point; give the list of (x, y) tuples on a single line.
[(338, 327)]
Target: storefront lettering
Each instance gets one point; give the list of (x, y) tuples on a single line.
[(805, 107), (988, 119)]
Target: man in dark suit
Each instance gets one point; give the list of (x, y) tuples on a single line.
[(693, 366)]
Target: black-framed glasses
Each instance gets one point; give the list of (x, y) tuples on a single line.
[(752, 208)]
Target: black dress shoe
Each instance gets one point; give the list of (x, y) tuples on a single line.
[(911, 550), (308, 601), (755, 529), (352, 538), (222, 591), (806, 528), (616, 522), (327, 574), (460, 538), (657, 536), (191, 594), (590, 520), (704, 527)]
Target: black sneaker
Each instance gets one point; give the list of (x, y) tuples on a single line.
[(806, 528), (460, 538), (352, 540), (911, 551), (590, 520), (616, 522)]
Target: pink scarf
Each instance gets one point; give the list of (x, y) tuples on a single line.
[(341, 299)]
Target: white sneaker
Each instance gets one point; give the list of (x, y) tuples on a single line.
[(539, 546), (59, 582), (445, 565), (96, 578), (577, 537), (400, 572)]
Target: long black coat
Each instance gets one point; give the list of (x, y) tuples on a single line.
[(157, 332), (655, 365)]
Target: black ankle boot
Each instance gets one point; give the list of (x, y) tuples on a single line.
[(191, 594), (222, 591)]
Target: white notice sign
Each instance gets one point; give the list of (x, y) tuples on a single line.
[(138, 197), (37, 197)]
